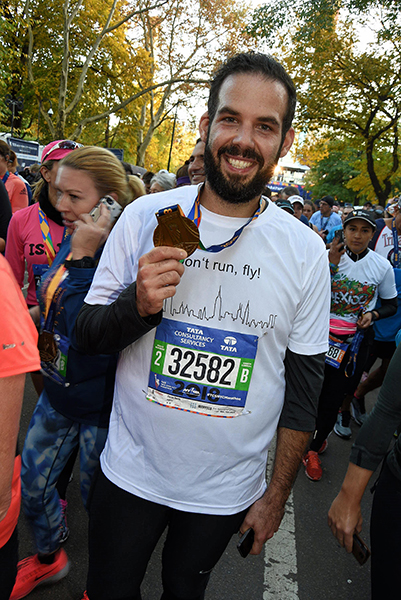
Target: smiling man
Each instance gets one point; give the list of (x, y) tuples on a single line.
[(231, 336)]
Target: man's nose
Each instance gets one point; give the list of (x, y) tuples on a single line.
[(244, 136)]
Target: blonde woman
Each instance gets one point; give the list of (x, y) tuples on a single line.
[(73, 410)]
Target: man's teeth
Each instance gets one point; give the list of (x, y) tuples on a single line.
[(239, 164)]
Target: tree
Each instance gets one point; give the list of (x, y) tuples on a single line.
[(347, 92), (102, 67), (332, 169)]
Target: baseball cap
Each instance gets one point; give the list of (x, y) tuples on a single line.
[(329, 200), (294, 199), (58, 149), (285, 205), (365, 215)]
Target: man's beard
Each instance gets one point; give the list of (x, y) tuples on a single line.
[(235, 190)]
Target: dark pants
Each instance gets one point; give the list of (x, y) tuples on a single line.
[(123, 532), (385, 536), (335, 386), (8, 566)]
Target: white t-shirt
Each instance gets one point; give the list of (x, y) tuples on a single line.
[(268, 291), (358, 284), (385, 244)]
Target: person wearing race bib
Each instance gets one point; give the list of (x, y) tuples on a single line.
[(74, 407), (220, 349), (358, 278), (386, 242)]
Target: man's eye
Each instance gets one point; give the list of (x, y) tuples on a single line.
[(264, 127)]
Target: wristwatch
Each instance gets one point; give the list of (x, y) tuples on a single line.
[(86, 262)]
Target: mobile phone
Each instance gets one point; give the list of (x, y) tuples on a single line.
[(245, 543), (360, 549), (114, 207), (339, 234)]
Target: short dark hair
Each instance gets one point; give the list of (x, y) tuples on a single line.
[(147, 177), (290, 191), (248, 63)]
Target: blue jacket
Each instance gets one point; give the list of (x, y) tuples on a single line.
[(85, 394)]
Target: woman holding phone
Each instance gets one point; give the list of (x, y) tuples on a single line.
[(73, 409)]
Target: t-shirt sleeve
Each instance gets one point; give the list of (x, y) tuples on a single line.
[(18, 195), (18, 335), (387, 287), (310, 332), (116, 269)]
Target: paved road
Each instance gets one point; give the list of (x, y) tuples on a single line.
[(302, 562)]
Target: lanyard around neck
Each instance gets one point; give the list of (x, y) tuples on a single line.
[(47, 238), (195, 215), (396, 245)]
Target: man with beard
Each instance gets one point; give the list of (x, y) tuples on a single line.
[(232, 337)]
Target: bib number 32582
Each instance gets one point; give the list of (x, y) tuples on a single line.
[(201, 369)]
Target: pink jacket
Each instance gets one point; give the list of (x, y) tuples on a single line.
[(25, 244)]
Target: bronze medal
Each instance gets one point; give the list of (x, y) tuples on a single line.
[(47, 346), (174, 229)]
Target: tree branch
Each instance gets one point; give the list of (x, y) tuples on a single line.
[(118, 107)]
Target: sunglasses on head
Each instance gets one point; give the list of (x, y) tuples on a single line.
[(63, 145)]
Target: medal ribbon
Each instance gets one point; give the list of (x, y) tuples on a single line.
[(353, 353), (53, 285), (396, 246), (195, 215), (47, 238)]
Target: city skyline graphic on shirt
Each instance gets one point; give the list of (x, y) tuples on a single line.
[(242, 313)]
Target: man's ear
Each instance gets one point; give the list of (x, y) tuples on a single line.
[(288, 141), (204, 126)]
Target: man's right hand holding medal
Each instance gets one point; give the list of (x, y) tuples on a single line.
[(159, 273)]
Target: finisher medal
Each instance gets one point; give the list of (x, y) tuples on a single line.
[(175, 229), (47, 346)]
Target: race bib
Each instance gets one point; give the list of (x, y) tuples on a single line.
[(336, 352), (200, 369)]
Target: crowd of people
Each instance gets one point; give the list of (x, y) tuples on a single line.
[(137, 288)]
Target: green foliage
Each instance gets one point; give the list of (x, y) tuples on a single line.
[(348, 88), (332, 168)]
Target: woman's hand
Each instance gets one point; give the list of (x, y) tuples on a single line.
[(365, 320), (88, 236), (336, 251), (344, 519), (344, 516)]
